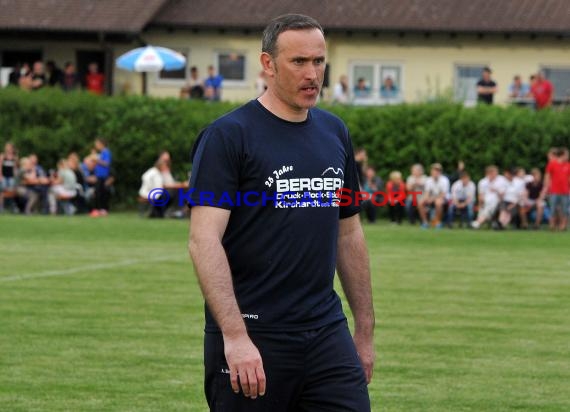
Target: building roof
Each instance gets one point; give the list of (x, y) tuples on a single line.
[(132, 16), (114, 16), (484, 16)]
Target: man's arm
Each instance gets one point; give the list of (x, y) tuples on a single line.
[(353, 270), (207, 227)]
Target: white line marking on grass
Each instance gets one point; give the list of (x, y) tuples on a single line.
[(86, 268)]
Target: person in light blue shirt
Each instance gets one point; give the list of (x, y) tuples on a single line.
[(361, 89), (518, 89), (389, 90), (213, 85)]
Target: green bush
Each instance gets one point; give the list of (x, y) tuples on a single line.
[(52, 124)]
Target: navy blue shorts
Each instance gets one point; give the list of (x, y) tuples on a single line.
[(317, 370)]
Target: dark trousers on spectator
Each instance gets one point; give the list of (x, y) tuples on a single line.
[(396, 212), (101, 195), (370, 210)]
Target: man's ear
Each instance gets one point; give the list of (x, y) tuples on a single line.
[(268, 64)]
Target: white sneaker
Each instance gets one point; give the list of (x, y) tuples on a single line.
[(475, 224)]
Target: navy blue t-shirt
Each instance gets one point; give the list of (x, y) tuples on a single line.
[(279, 180)]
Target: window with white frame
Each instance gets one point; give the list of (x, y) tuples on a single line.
[(370, 80), (560, 79), (232, 67), (176, 76), (466, 78)]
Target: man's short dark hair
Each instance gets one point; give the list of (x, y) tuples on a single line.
[(463, 174), (487, 69), (284, 23)]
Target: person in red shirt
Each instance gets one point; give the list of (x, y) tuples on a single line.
[(557, 184), (542, 91), (95, 81)]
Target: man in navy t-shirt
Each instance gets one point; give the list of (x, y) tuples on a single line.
[(267, 233)]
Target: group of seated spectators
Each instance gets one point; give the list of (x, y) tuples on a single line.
[(75, 186), (513, 198), (209, 88), (41, 75)]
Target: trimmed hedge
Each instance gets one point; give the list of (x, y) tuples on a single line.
[(52, 124)]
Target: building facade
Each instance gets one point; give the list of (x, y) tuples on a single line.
[(431, 49)]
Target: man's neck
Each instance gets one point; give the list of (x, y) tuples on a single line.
[(280, 109)]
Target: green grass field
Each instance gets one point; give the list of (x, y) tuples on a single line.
[(106, 315)]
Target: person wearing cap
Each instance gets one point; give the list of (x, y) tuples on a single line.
[(486, 87), (434, 196)]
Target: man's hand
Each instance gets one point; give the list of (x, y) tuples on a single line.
[(365, 348), (245, 364)]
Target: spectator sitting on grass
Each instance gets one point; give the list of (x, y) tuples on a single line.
[(42, 185), (88, 170), (153, 179), (8, 170), (26, 182), (64, 184), (511, 200), (532, 200), (462, 199), (372, 184), (74, 164), (414, 183), (491, 190), (434, 196), (396, 191)]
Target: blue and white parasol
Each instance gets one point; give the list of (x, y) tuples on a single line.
[(151, 59)]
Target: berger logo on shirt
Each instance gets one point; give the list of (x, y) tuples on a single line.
[(315, 191)]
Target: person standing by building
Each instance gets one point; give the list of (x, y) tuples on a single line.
[(94, 81), (486, 87), (542, 91), (213, 85), (276, 337), (340, 92)]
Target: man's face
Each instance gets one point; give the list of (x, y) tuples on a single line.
[(486, 75), (435, 173), (38, 68), (298, 69), (465, 180)]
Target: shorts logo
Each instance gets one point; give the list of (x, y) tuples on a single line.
[(249, 316)]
